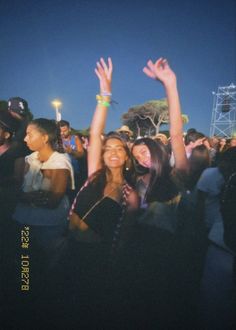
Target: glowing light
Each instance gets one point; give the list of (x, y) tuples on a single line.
[(57, 104)]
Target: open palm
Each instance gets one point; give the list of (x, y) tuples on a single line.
[(104, 74), (160, 70)]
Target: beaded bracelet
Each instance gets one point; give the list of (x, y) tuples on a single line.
[(106, 94), (100, 99)]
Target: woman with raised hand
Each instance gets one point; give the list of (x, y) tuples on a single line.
[(159, 251), (108, 168), (151, 155), (103, 207)]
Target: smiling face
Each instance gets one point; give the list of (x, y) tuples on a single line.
[(35, 139), (142, 154), (114, 155)]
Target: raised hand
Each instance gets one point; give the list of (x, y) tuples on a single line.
[(103, 71), (160, 70), (104, 74)]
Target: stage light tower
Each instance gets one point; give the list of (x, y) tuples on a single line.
[(223, 120)]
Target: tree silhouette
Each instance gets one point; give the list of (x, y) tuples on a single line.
[(146, 119)]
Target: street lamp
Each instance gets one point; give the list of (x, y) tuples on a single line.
[(57, 105)]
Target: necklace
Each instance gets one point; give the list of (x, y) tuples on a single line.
[(99, 201)]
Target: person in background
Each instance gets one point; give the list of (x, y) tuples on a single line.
[(191, 140), (209, 188), (73, 146), (228, 210), (232, 142), (125, 130), (212, 151), (214, 142), (228, 204), (19, 110), (217, 281), (11, 176), (3, 105), (43, 205), (126, 134), (199, 160), (222, 144), (71, 143), (84, 139), (11, 163), (161, 137)]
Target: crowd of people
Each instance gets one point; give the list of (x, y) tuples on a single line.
[(109, 231)]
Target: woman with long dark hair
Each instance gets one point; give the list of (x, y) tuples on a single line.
[(101, 211), (109, 168), (159, 251), (151, 154)]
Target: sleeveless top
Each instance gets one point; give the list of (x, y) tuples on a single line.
[(163, 215), (104, 215), (71, 143)]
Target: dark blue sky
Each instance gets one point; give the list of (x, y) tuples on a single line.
[(49, 50)]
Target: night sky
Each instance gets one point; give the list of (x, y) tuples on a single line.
[(49, 50)]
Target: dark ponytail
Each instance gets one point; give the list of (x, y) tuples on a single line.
[(52, 129)]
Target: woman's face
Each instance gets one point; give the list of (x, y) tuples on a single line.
[(115, 154), (233, 142), (142, 154), (35, 139), (222, 142)]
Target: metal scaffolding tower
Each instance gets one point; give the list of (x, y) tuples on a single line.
[(223, 120)]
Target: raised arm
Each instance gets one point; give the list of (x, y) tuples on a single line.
[(160, 70), (104, 73)]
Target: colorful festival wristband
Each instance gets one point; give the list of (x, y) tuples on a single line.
[(102, 100), (104, 103)]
